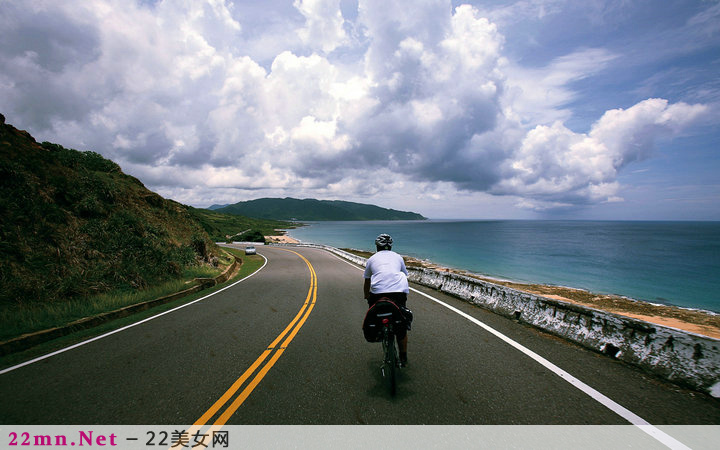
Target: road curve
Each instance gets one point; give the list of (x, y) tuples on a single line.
[(174, 368)]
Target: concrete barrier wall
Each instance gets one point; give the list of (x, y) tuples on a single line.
[(682, 357), (679, 356)]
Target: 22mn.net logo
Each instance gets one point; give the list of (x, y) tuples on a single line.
[(46, 440)]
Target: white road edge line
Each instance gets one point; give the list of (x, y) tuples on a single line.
[(618, 409), (80, 344)]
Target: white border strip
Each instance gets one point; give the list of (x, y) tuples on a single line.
[(618, 409), (80, 344)]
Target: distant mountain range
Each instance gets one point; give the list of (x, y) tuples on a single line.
[(314, 210)]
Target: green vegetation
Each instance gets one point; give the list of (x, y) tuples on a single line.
[(224, 227), (18, 319), (250, 265), (252, 236), (315, 210), (73, 226)]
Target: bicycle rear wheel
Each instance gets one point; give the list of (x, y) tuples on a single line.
[(390, 362)]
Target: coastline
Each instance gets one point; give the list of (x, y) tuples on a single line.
[(680, 350), (670, 263), (705, 323)]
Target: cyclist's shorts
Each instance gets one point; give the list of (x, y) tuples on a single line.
[(399, 298)]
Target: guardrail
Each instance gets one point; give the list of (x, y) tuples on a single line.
[(31, 339)]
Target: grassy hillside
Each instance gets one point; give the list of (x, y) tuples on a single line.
[(73, 225), (223, 226), (312, 210)]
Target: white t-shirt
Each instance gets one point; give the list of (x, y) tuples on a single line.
[(387, 273)]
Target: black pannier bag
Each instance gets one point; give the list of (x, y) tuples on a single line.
[(408, 316), (385, 309)]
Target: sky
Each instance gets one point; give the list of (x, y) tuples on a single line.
[(528, 109)]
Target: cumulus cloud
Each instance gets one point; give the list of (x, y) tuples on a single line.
[(417, 95), (438, 86), (555, 164), (324, 24)]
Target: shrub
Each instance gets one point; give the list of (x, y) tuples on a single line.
[(252, 236)]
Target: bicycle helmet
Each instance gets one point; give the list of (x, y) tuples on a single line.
[(384, 240)]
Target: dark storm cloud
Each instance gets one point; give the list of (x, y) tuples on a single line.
[(36, 48)]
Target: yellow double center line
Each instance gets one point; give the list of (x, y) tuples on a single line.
[(275, 348)]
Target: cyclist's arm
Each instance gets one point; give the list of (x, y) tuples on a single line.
[(366, 288), (403, 269)]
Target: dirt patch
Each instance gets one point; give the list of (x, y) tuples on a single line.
[(694, 321), (281, 240)]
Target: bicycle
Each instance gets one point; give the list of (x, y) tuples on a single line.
[(383, 322), (390, 363)]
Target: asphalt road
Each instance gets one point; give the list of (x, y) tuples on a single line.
[(307, 305)]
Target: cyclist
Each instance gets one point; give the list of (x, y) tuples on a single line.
[(386, 276)]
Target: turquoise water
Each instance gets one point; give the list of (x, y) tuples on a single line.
[(662, 262)]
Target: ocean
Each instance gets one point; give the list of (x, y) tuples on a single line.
[(676, 263)]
